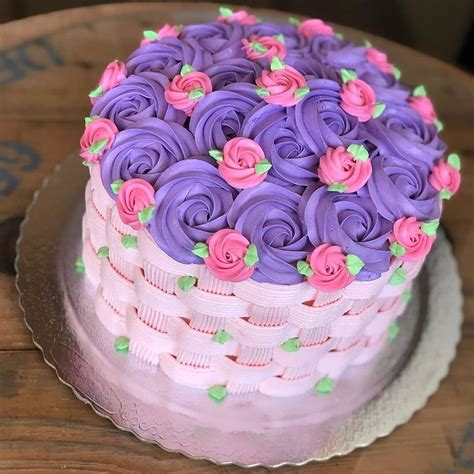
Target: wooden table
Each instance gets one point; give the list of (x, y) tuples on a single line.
[(47, 65)]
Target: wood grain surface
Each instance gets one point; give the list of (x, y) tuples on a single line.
[(47, 65)]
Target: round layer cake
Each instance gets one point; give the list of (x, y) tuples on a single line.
[(261, 198)]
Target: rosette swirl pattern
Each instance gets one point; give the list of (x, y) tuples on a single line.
[(351, 222), (231, 71), (145, 152), (137, 97), (192, 204), (267, 215)]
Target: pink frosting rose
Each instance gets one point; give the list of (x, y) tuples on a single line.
[(444, 176), (358, 99), (314, 27), (281, 86), (241, 16), (165, 31), (407, 232), (111, 77), (227, 249), (241, 155), (339, 166), (330, 270), (379, 60), (134, 196), (254, 47), (179, 92), (424, 107), (97, 137)]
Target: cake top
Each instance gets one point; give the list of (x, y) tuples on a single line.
[(277, 152)]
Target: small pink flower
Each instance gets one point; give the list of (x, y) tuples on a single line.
[(445, 177), (185, 90), (165, 31), (111, 77), (313, 27), (240, 16), (243, 164), (358, 99), (135, 195), (424, 107), (379, 60), (227, 251), (345, 170), (263, 47), (330, 272), (283, 86), (97, 137), (416, 243)]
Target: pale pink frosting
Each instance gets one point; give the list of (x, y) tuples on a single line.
[(444, 176), (134, 196), (112, 75), (339, 166), (96, 131), (330, 270), (358, 99), (379, 60), (177, 91), (407, 232), (238, 166), (165, 31), (314, 27), (241, 16), (227, 249), (281, 85), (424, 107), (274, 47)]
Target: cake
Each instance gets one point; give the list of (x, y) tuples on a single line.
[(261, 198)]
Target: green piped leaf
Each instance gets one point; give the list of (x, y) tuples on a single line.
[(185, 283), (367, 43), (337, 187), (121, 345), (217, 393), (301, 92), (439, 125), (393, 331), (279, 38), (260, 91), (196, 94), (454, 160), (399, 277), (430, 227), (348, 75), (130, 241), (359, 152), (324, 386), (397, 249), (221, 337), (216, 154), (304, 268), (277, 64), (103, 252), (354, 264), (98, 146), (339, 36), (226, 11), (88, 120), (396, 73), (97, 92), (291, 345), (445, 194), (251, 256), (258, 47), (419, 91), (406, 296), (186, 69), (150, 35), (262, 167), (201, 250), (116, 185), (379, 108), (79, 266), (145, 215), (293, 21)]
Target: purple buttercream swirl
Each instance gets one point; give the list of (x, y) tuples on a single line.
[(146, 151), (192, 203), (387, 89), (137, 97), (336, 53), (267, 215), (353, 223), (231, 71)]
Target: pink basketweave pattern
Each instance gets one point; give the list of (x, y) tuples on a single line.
[(137, 296)]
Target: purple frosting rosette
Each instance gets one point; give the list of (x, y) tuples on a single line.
[(137, 97), (350, 221), (145, 151), (230, 71), (192, 204), (267, 215)]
